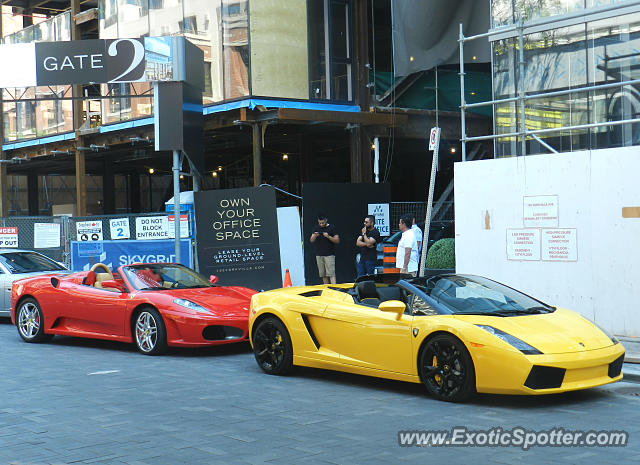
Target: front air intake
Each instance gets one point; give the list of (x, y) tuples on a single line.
[(222, 333), (615, 367), (541, 377)]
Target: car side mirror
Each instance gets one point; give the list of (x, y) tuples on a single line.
[(213, 279), (113, 284), (393, 306)]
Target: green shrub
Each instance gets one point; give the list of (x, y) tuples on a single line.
[(442, 254)]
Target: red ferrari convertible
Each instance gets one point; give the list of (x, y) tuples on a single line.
[(155, 305)]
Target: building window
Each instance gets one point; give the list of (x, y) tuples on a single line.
[(330, 62), (585, 53)]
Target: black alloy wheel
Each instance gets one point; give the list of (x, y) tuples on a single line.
[(272, 347), (446, 369)]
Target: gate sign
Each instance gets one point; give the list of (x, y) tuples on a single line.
[(98, 61), (381, 212), (9, 237), (89, 230), (119, 228), (75, 62)]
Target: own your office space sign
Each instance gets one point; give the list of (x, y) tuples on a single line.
[(237, 232)]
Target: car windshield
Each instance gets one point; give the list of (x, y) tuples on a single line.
[(28, 262), (160, 276), (477, 295)]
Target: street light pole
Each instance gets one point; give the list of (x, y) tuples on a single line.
[(176, 203)]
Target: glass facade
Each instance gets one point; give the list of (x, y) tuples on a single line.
[(30, 112), (318, 32), (218, 27), (505, 12), (299, 49), (330, 64), (591, 53)]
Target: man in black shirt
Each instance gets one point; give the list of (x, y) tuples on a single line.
[(366, 243), (325, 238)]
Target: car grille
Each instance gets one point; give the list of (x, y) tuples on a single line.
[(541, 377), (222, 333), (615, 367)]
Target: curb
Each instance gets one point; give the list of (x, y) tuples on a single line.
[(634, 377)]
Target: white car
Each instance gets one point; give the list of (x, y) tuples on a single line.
[(17, 264)]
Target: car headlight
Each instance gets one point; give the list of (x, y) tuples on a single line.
[(511, 340), (606, 333), (190, 305)]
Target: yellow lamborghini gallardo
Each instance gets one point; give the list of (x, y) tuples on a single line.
[(456, 334)]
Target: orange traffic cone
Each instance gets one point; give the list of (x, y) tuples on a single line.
[(287, 279)]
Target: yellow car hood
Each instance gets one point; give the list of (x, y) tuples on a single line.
[(562, 331)]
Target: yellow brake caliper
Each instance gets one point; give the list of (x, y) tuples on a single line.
[(434, 363)]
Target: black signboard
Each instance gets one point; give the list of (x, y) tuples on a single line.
[(87, 61), (237, 232)]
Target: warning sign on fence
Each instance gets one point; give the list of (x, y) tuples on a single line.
[(9, 237), (89, 230)]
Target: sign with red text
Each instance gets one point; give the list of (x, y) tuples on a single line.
[(184, 226), (9, 237), (89, 230), (523, 244), (560, 245), (540, 211)]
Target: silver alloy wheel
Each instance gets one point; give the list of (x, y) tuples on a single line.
[(146, 332), (29, 320)]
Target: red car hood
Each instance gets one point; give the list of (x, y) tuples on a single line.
[(232, 301)]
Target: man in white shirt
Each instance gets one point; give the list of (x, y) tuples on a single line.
[(407, 251), (417, 231)]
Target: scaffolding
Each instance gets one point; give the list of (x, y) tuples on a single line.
[(518, 29)]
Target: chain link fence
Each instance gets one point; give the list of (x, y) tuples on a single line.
[(441, 219), (26, 227)]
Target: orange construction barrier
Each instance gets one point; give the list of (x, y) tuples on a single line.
[(389, 259), (287, 279)]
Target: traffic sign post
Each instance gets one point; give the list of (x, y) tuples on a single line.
[(434, 144)]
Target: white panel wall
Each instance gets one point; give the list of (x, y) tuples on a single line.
[(592, 188), (290, 240)]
